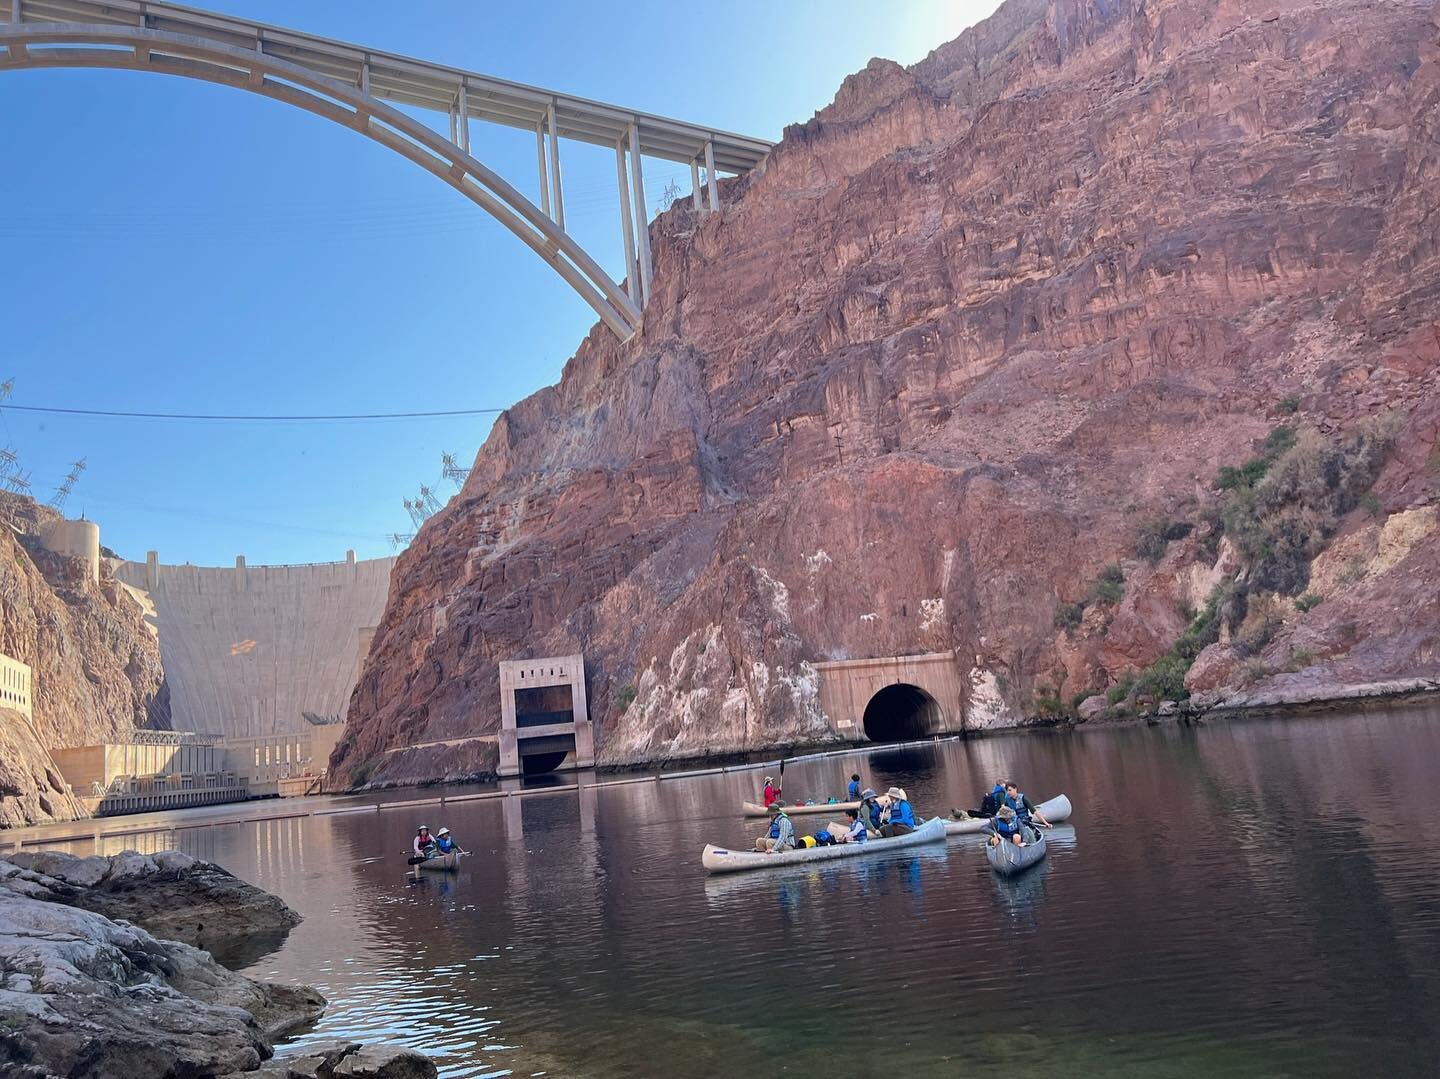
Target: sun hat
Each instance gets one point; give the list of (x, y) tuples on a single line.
[(1006, 813), (896, 794), (868, 792), (443, 831), (777, 807), (422, 828), (769, 779)]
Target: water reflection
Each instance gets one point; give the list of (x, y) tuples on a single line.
[(1259, 896)]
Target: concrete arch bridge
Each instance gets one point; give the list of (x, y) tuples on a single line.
[(350, 85)]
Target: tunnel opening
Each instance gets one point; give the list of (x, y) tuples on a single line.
[(537, 764), (901, 712)]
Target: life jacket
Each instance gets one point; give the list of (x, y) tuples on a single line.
[(1018, 804), (1005, 829), (901, 813), (446, 844), (870, 814)]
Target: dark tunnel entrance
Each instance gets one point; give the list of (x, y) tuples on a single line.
[(901, 712)]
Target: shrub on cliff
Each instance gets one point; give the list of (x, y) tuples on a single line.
[(1108, 588), (1303, 484), (1157, 535)]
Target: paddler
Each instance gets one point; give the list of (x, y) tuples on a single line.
[(899, 817), (443, 843), (772, 793), (781, 836), (870, 812), (852, 790), (1023, 807), (1007, 826), (424, 842)]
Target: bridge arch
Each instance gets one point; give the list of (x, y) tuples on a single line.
[(133, 48)]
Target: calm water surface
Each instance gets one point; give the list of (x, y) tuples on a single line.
[(1251, 897)]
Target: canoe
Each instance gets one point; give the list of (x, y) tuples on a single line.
[(1057, 809), (723, 860), (755, 809), (440, 861), (1007, 859)]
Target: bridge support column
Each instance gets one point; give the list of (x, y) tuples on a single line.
[(710, 175), (695, 183), (627, 227), (642, 215), (559, 199), (543, 168), (462, 108)]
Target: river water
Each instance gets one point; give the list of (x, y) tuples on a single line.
[(1256, 897)]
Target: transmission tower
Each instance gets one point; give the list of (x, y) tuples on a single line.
[(417, 514), (57, 500), (19, 482), (452, 470), (427, 501), (400, 539)]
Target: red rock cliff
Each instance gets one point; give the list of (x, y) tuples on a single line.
[(95, 667), (938, 362)]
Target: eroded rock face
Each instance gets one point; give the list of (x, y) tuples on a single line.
[(96, 669), (932, 367)]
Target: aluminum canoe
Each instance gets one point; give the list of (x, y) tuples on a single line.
[(440, 861), (755, 809), (1007, 859), (724, 860), (1057, 809)]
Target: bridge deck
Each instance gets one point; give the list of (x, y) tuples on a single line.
[(417, 83)]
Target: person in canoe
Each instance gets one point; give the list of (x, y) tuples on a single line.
[(424, 845), (781, 836), (992, 801), (1007, 827), (899, 817), (871, 814), (772, 793), (444, 844), (852, 792), (855, 830), (1023, 807)]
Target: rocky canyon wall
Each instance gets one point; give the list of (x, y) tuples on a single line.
[(958, 369), (96, 667)]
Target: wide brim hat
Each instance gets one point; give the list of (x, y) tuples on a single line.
[(443, 831), (1006, 813), (777, 807), (868, 792), (896, 794)]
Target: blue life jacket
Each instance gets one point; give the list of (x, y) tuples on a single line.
[(775, 828), (852, 792), (445, 844), (1018, 803), (1006, 830), (901, 813)]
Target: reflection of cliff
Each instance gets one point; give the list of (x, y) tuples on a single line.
[(933, 367), (248, 650), (95, 666)]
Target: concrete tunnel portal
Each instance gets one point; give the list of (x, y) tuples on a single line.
[(901, 712)]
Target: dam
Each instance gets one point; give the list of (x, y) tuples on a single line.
[(255, 652)]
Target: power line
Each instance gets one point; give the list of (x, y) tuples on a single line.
[(263, 419)]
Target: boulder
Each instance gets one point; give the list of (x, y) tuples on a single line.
[(385, 1062), (1092, 707), (1168, 708)]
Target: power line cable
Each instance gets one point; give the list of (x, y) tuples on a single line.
[(342, 417)]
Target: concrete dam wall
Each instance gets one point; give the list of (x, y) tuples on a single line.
[(247, 650)]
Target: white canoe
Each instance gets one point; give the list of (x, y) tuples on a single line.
[(440, 861), (755, 809), (1057, 809), (724, 860), (1007, 859)]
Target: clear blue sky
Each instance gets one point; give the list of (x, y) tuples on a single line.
[(169, 245)]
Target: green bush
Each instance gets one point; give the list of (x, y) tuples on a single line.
[(1309, 601), (1121, 689), (624, 698), (1108, 589), (1048, 703), (1370, 503), (1289, 406), (1079, 699), (1068, 616)]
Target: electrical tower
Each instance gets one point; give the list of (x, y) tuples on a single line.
[(452, 470), (57, 500)]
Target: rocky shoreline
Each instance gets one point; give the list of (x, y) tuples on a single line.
[(87, 990)]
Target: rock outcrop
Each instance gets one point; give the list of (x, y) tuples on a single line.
[(96, 667), (82, 995), (938, 363), (171, 895)]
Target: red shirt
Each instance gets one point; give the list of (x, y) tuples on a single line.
[(771, 794)]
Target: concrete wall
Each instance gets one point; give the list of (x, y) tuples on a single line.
[(15, 688), (524, 683), (74, 539), (847, 686), (248, 649)]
